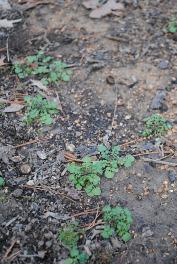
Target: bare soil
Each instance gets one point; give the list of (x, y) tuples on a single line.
[(141, 57)]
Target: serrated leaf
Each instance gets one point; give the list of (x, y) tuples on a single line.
[(126, 237), (108, 173), (2, 182)]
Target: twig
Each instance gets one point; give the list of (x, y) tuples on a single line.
[(149, 153), (132, 142), (32, 142), (115, 110), (161, 162), (7, 49), (88, 226), (46, 188), (90, 211), (9, 249)]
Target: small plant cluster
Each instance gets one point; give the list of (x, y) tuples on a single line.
[(2, 182), (70, 236), (47, 68), (87, 174), (118, 221), (39, 108), (172, 26), (155, 125)]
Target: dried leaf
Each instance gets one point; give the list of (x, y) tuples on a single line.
[(105, 9), (8, 23), (40, 85), (13, 108), (26, 5), (56, 216), (2, 63), (91, 4)]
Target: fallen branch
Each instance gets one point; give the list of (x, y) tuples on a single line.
[(47, 189), (161, 162)]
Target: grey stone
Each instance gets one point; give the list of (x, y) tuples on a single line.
[(158, 100), (164, 64), (48, 243), (172, 176), (147, 232), (4, 4), (17, 193), (115, 243), (41, 154), (25, 169)]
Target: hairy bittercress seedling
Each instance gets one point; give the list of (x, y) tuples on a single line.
[(87, 174), (45, 68), (39, 109)]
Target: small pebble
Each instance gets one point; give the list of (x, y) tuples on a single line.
[(17, 193), (48, 243), (127, 117), (70, 147), (41, 154), (25, 169), (110, 80), (164, 64), (172, 176)]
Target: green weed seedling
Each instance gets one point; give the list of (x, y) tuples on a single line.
[(156, 126), (172, 26), (70, 236), (87, 174), (76, 257), (2, 182), (118, 221), (46, 68), (112, 160), (39, 109)]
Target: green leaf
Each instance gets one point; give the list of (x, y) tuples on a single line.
[(126, 237), (108, 173), (69, 261), (65, 77), (128, 161), (53, 77), (83, 257), (107, 232), (102, 148), (2, 182), (31, 59), (74, 252)]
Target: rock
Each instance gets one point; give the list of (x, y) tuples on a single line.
[(4, 5), (40, 243), (25, 169), (115, 243), (70, 147), (147, 232), (34, 206), (48, 243), (110, 80), (28, 227), (17, 193), (164, 64), (127, 117), (41, 154), (48, 235), (30, 183), (41, 254), (172, 176), (158, 100)]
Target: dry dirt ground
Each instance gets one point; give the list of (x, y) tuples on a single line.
[(141, 58)]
